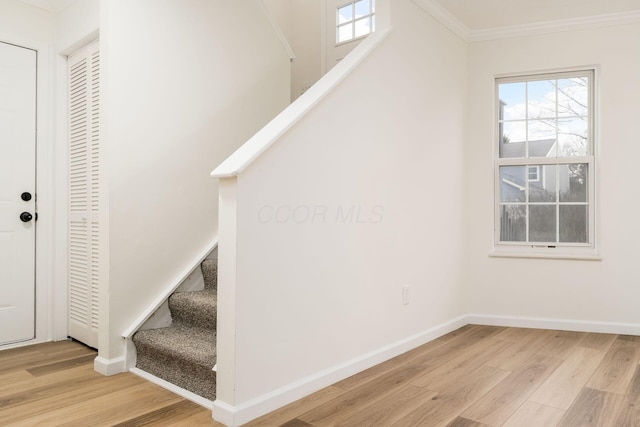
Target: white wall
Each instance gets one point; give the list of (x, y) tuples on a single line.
[(306, 42), (25, 24), (77, 25), (301, 23), (186, 82), (281, 10), (315, 290), (595, 291)]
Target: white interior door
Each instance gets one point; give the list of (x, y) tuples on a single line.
[(84, 194), (17, 193)]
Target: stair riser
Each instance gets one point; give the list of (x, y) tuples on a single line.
[(197, 316), (197, 379), (210, 273)]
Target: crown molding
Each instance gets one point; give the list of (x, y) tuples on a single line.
[(556, 26), (433, 8), (443, 16)]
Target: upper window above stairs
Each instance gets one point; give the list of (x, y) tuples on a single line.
[(354, 20)]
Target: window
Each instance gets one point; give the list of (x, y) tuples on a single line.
[(545, 162), (354, 20)]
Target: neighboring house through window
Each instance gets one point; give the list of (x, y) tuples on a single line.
[(545, 162), (354, 20)]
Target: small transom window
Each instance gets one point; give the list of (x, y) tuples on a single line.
[(354, 20)]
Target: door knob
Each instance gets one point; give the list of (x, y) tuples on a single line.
[(26, 217), (26, 196)]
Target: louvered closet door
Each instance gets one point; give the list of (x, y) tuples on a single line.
[(84, 194)]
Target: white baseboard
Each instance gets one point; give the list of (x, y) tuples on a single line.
[(173, 388), (555, 324), (233, 416), (109, 367), (20, 344)]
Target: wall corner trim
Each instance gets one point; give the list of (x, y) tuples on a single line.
[(235, 164), (109, 367), (443, 16), (225, 413), (278, 30)]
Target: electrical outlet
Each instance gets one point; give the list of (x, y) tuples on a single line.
[(405, 295)]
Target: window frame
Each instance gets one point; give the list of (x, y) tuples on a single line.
[(562, 250), (352, 22)]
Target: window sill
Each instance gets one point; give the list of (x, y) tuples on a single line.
[(356, 39), (584, 256)]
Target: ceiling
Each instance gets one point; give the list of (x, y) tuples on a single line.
[(477, 16), (53, 6), (481, 15)]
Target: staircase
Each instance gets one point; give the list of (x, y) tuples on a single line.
[(185, 352)]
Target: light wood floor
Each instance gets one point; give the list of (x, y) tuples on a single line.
[(482, 376), (54, 384), (476, 376)]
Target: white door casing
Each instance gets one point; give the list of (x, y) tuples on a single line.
[(18, 69)]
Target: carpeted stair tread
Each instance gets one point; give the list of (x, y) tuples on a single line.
[(197, 309)]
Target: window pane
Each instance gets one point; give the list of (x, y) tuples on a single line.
[(542, 223), (542, 99), (373, 23), (362, 8), (542, 138), (572, 137), (513, 223), (512, 183), (363, 27), (345, 33), (513, 101), (573, 97), (574, 224), (345, 14), (512, 137), (533, 173), (573, 182), (544, 188)]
